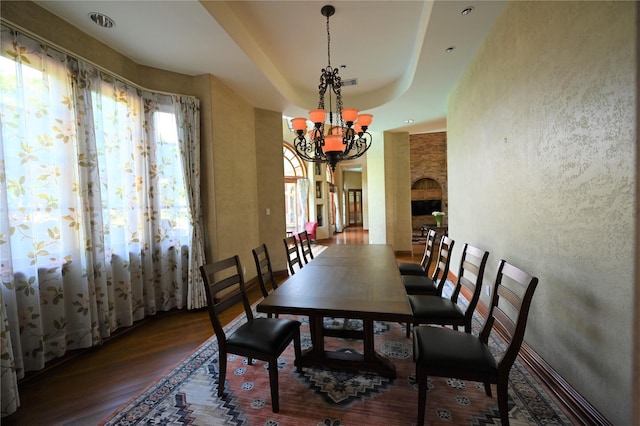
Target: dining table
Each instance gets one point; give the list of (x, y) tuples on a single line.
[(356, 282)]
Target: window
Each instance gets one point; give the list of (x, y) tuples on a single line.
[(296, 190), (95, 228)]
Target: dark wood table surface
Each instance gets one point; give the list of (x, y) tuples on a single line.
[(345, 281)]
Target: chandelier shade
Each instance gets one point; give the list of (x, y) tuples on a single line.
[(336, 136)]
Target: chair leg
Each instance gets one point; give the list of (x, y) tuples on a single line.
[(297, 348), (222, 372), (503, 406), (421, 378), (273, 382), (487, 388)]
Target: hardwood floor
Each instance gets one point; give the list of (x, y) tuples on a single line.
[(90, 385)]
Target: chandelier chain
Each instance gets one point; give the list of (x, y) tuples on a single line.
[(328, 44)]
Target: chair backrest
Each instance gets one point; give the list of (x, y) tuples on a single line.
[(509, 310), (264, 269), (427, 257), (305, 246), (470, 276), (224, 287), (293, 255), (442, 264)]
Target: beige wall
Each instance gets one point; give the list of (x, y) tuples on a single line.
[(270, 169), (541, 149), (398, 191), (234, 135)]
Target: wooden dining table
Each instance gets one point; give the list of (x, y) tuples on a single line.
[(345, 281)]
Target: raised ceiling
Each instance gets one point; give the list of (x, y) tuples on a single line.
[(271, 52)]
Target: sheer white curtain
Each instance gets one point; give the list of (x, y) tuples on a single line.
[(338, 214), (303, 202), (95, 216)]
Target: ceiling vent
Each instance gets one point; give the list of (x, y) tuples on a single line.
[(349, 82)]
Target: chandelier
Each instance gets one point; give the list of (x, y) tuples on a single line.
[(344, 135)]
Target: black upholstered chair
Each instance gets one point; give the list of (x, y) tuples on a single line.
[(421, 284), (422, 268), (443, 352), (259, 338), (293, 254), (449, 311), (305, 246)]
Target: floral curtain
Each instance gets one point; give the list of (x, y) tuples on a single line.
[(96, 223), (189, 139)]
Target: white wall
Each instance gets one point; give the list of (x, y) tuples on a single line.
[(541, 149)]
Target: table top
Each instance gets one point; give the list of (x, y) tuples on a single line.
[(354, 281)]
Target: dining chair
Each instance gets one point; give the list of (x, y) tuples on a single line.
[(305, 246), (422, 284), (422, 268), (260, 338), (266, 278), (311, 228), (429, 309), (293, 254), (443, 352)]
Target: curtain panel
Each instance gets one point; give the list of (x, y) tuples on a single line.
[(99, 205), (303, 201)]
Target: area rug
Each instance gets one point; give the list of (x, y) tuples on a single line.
[(187, 395)]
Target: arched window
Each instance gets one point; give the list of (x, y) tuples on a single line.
[(296, 190)]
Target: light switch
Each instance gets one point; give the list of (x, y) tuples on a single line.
[(268, 212)]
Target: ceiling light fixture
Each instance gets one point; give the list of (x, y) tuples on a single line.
[(450, 49), (344, 136), (467, 10), (102, 20)]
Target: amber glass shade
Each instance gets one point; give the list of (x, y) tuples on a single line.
[(299, 123), (349, 114), (333, 143), (365, 119), (317, 116)]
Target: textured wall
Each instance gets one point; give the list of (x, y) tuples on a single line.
[(270, 169), (398, 190), (541, 147)]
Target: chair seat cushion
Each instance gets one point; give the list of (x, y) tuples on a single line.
[(265, 335), (415, 284), (435, 308), (407, 268), (442, 348)]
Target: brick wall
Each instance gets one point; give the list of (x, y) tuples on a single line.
[(428, 152)]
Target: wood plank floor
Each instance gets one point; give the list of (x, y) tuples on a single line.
[(91, 385)]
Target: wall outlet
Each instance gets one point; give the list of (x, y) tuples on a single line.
[(244, 270)]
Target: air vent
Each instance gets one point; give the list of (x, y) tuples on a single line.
[(349, 82)]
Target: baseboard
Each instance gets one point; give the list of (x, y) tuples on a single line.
[(571, 399)]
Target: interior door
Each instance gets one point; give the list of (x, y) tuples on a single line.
[(355, 207)]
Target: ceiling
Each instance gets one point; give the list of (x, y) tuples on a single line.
[(271, 52)]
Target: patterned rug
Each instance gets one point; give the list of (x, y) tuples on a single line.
[(187, 395)]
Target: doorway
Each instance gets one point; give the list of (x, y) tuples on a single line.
[(354, 197)]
